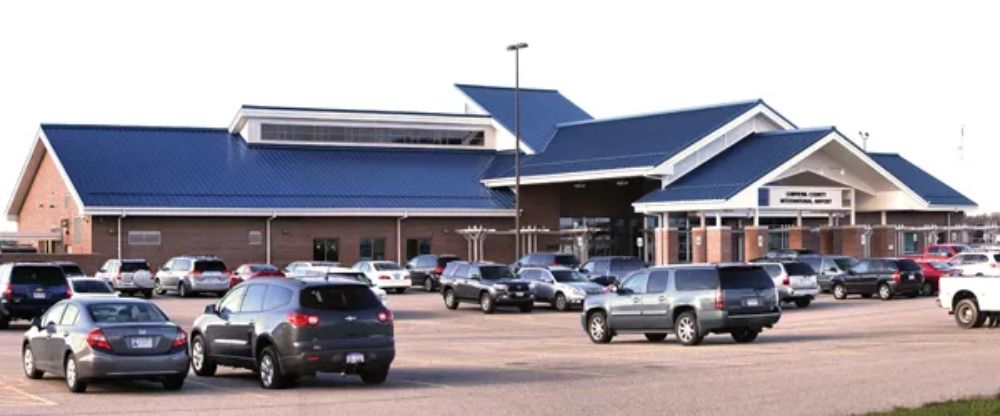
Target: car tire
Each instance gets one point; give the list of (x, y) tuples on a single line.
[(375, 375), (28, 364), (655, 336), (745, 335), (173, 383), (428, 284), (687, 330), (450, 301), (884, 291), (157, 288), (202, 364), (839, 291), (598, 329), (148, 294), (71, 370), (802, 302), (486, 303), (4, 322), (182, 290), (400, 290), (526, 307), (927, 289), (560, 303), (968, 315), (269, 370)]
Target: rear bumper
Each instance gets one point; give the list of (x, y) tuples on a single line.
[(335, 361), (787, 293), (393, 284), (909, 287), (209, 285), (101, 365), (22, 311), (724, 322)]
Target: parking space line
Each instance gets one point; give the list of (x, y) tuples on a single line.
[(229, 389), (26, 398)]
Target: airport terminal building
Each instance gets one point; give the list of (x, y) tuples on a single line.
[(715, 183)]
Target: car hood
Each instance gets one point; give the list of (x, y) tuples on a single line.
[(589, 287)]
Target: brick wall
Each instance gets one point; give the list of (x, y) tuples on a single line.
[(48, 203), (89, 262)]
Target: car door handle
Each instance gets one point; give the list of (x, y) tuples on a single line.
[(636, 300), (662, 298), (65, 334)]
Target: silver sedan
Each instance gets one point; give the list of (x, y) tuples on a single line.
[(95, 338)]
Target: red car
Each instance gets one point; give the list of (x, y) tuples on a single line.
[(940, 252), (933, 271), (253, 271)]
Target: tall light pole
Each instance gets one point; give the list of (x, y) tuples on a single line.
[(517, 146)]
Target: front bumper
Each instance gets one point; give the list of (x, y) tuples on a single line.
[(101, 365), (513, 298), (335, 360)]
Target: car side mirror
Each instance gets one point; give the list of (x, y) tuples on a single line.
[(623, 291), (211, 309), (833, 270), (36, 322)]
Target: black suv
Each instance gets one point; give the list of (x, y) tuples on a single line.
[(425, 270), (543, 260), (286, 328), (885, 277), (489, 284), (606, 270), (27, 290)]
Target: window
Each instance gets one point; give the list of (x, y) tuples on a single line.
[(658, 281), (625, 265), (133, 266), (799, 269), (71, 316), (254, 301), (773, 269), (326, 249), (745, 278), (144, 238), (588, 267), (37, 275), (532, 274), (495, 272), (125, 312), (462, 272), (862, 267), (54, 315), (232, 302), (255, 238), (417, 246), (372, 249), (210, 266), (181, 265), (339, 298), (637, 283), (370, 135), (696, 279), (276, 297)]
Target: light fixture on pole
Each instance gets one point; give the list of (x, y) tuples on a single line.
[(517, 146), (864, 140)]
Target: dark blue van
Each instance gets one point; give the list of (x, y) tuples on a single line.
[(27, 290)]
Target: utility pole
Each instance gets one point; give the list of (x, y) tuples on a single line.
[(517, 146)]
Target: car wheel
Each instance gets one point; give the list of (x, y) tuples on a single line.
[(745, 335), (450, 301), (182, 290), (927, 289), (884, 291), (4, 322), (526, 307), (655, 336), (560, 303), (967, 314), (839, 292), (269, 371), (28, 358), (173, 383), (803, 302), (72, 373), (486, 303), (375, 375), (400, 290), (598, 328), (157, 288), (201, 363), (428, 284), (687, 329)]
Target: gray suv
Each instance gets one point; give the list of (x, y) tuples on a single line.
[(488, 284), (690, 301), (561, 287)]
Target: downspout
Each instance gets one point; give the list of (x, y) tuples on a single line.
[(399, 236), (267, 231), (120, 218)]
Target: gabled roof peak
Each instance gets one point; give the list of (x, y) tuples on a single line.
[(497, 87)]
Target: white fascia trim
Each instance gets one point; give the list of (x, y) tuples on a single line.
[(570, 177), (297, 212), (878, 168), (19, 196), (698, 205), (864, 188), (760, 109), (245, 114)]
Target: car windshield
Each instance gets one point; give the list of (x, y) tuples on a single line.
[(209, 266), (386, 266), (799, 269), (745, 278), (37, 275), (444, 260), (72, 270), (125, 312), (624, 265), (962, 248), (263, 268), (845, 263), (91, 286), (133, 266), (495, 272), (568, 276), (339, 298)]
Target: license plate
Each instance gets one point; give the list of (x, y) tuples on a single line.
[(38, 295), (752, 302), (355, 358), (141, 342), (518, 294)]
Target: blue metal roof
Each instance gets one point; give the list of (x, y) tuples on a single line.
[(929, 188), (117, 166), (541, 110), (347, 110), (739, 166), (628, 142)]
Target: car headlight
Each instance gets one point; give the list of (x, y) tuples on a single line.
[(578, 291), (499, 286)]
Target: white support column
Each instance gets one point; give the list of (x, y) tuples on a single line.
[(701, 216), (885, 218), (798, 218), (829, 219), (854, 203), (756, 217), (718, 218)]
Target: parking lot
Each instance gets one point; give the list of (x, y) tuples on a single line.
[(836, 357)]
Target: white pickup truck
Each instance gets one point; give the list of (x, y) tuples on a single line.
[(975, 301)]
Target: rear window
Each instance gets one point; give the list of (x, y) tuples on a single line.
[(745, 278), (696, 279), (37, 275), (91, 286), (133, 266), (908, 266), (72, 270), (620, 265), (209, 266), (996, 258), (339, 298), (125, 312), (263, 268), (799, 269), (845, 263), (443, 261), (387, 266), (357, 276), (566, 260), (495, 272)]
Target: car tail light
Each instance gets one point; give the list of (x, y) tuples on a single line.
[(69, 291), (233, 281), (384, 316), (180, 340), (196, 274), (9, 293), (720, 303), (96, 340), (384, 277), (993, 265), (301, 320), (896, 277), (118, 276), (224, 271), (439, 269), (786, 280)]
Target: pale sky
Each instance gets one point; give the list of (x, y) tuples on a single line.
[(910, 73)]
